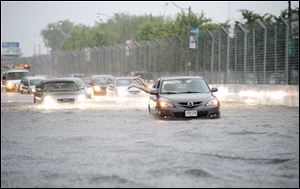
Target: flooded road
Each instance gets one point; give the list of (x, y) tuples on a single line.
[(113, 142)]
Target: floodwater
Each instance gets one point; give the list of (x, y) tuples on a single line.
[(114, 142)]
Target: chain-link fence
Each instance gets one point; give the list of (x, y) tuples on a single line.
[(249, 54)]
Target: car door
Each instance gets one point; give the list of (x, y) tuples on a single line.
[(25, 86), (38, 90), (154, 97)]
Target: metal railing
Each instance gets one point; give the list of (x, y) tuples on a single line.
[(251, 54)]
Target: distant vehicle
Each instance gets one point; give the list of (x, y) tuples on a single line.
[(183, 97), (120, 87), (27, 84), (99, 84), (60, 90), (11, 78)]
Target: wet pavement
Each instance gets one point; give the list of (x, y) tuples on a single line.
[(114, 142)]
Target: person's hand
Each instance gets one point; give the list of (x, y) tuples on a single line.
[(137, 77)]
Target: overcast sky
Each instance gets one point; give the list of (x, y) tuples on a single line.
[(22, 21)]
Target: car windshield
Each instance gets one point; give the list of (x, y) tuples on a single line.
[(103, 81), (34, 81), (80, 83), (16, 75), (60, 86), (181, 86)]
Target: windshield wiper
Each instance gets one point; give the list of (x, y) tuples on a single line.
[(169, 93), (190, 92)]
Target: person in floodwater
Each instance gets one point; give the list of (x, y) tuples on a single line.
[(144, 86)]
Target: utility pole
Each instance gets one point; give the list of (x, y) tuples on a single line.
[(289, 15), (189, 20)]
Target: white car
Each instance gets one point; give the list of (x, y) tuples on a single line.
[(11, 78), (120, 87)]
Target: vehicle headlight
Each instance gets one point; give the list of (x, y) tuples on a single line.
[(33, 90), (165, 104), (10, 85), (97, 88), (48, 100), (122, 92), (81, 98), (89, 90), (213, 102)]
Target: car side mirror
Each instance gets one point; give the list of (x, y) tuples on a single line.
[(214, 89), (38, 89), (154, 92)]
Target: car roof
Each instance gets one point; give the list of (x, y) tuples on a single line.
[(15, 70), (60, 80), (181, 77), (35, 77), (125, 77), (95, 76)]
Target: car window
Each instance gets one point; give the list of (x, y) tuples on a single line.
[(60, 86), (103, 81), (34, 81), (123, 82), (16, 75), (25, 82), (80, 83), (175, 86)]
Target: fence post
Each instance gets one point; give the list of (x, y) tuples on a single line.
[(139, 57), (227, 52), (171, 58), (265, 48), (275, 48), (212, 51), (286, 51), (180, 60), (149, 61), (159, 67), (219, 54), (245, 51), (254, 53)]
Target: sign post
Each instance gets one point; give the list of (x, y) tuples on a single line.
[(194, 35)]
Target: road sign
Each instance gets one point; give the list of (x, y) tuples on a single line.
[(194, 35), (10, 45)]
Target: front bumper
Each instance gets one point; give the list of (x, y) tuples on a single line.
[(11, 88), (179, 112)]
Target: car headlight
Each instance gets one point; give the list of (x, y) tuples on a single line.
[(122, 92), (81, 98), (165, 104), (89, 90), (48, 100), (97, 88), (213, 102), (10, 85)]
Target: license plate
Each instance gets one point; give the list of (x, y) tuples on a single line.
[(66, 100), (190, 113)]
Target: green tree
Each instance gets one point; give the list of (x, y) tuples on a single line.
[(56, 33), (250, 17)]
